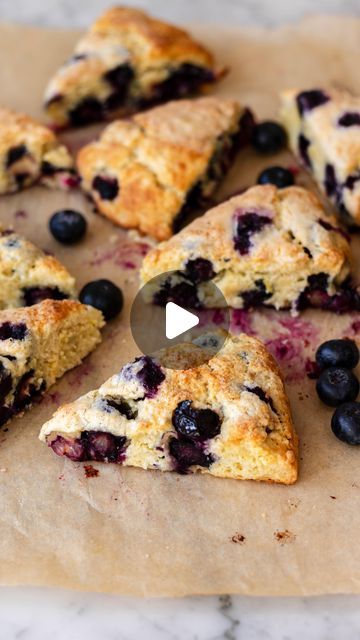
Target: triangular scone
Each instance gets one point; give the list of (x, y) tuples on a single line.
[(126, 62), (323, 127), (267, 247), (30, 153), (28, 275), (148, 172), (38, 345), (229, 417)]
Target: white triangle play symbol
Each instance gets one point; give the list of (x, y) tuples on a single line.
[(178, 320)]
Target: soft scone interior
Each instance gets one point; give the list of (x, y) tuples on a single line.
[(235, 404)]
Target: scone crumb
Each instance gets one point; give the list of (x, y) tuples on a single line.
[(284, 537), (238, 538)]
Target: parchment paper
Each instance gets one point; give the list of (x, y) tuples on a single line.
[(136, 532)]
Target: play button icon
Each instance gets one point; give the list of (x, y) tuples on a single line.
[(178, 320), (168, 310)]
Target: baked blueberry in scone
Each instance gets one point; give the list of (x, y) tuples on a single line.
[(30, 153), (228, 417), (38, 344), (127, 61), (149, 171), (323, 128), (267, 247), (28, 275)]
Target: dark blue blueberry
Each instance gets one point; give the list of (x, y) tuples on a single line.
[(351, 181), (34, 295), (255, 297), (68, 226), (260, 393), (345, 423), (268, 137), (278, 176), (330, 182), (26, 391), (103, 295), (122, 407), (15, 154), (120, 77), (107, 187), (198, 424), (5, 414), (14, 331), (304, 144), (349, 119), (199, 270), (182, 293), (187, 453), (247, 225), (150, 375), (5, 381), (337, 385), (308, 100), (87, 111), (184, 80), (337, 353), (103, 446)]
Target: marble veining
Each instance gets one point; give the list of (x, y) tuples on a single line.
[(40, 614)]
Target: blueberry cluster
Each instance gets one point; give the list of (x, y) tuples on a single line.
[(337, 386), (270, 137)]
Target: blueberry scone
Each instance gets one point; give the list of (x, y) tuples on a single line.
[(149, 171), (30, 153), (28, 275), (324, 132), (38, 345), (267, 247), (229, 417), (125, 62)]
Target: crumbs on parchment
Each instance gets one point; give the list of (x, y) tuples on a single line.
[(284, 537), (90, 471), (238, 538)]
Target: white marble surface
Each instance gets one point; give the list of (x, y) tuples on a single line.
[(40, 614)]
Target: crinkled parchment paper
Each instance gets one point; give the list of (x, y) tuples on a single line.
[(136, 532)]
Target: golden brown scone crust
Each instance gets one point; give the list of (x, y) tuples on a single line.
[(18, 130), (39, 344), (256, 441), (24, 266), (283, 254), (156, 158), (123, 36), (330, 145)]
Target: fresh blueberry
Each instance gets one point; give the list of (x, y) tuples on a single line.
[(337, 385), (68, 226), (103, 295), (337, 353), (107, 187), (345, 423), (278, 176), (308, 100), (268, 137), (199, 424)]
